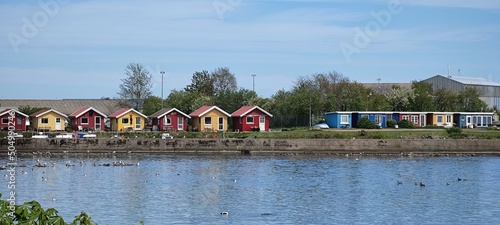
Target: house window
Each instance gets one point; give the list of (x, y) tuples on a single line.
[(378, 119), (249, 119), (406, 117), (45, 120), (208, 120), (414, 119), (448, 119), (439, 119), (5, 120), (85, 120), (125, 120), (168, 121), (344, 119)]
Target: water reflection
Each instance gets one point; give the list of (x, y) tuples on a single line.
[(271, 190)]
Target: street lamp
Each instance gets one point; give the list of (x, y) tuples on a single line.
[(253, 77), (162, 72)]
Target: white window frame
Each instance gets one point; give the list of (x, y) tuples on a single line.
[(406, 117), (250, 117), (414, 119), (5, 119), (209, 120), (167, 120), (439, 119), (378, 119), (81, 120), (449, 119), (344, 119)]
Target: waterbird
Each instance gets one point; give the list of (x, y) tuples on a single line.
[(422, 184), (399, 182), (224, 213), (459, 179)]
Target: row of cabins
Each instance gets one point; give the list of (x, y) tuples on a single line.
[(206, 118), (419, 119)]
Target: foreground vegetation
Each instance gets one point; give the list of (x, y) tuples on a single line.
[(306, 133), (33, 213)]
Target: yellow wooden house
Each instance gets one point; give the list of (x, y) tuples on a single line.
[(441, 119), (48, 120), (210, 118), (127, 119)]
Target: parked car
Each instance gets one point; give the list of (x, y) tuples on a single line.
[(40, 135), (167, 136)]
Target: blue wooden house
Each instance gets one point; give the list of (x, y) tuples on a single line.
[(472, 119), (339, 119), (379, 118)]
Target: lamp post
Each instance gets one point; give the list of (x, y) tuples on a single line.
[(162, 72), (253, 78)]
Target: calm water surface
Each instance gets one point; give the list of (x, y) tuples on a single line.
[(265, 190)]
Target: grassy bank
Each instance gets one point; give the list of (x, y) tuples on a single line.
[(302, 132)]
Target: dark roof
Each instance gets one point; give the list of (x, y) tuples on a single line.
[(66, 106), (164, 111), (243, 111)]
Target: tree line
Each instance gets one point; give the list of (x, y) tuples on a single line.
[(307, 101)]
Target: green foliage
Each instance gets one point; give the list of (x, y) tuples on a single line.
[(422, 100), (136, 86), (366, 123), (446, 100), (454, 132), (391, 123), (32, 213), (399, 99), (405, 124), (26, 109), (151, 105), (469, 101)]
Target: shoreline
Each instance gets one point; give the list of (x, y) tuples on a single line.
[(230, 146)]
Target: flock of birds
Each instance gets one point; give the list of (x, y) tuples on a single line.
[(421, 184)]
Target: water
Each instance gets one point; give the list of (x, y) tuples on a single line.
[(167, 189)]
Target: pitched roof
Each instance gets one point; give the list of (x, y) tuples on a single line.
[(243, 111), (124, 111), (66, 106), (205, 109), (5, 111), (83, 110), (165, 111), (472, 80), (45, 111)]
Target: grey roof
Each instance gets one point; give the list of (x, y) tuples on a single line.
[(66, 106), (473, 80)]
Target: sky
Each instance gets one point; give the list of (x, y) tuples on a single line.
[(79, 49)]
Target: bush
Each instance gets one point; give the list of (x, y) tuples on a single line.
[(366, 123), (454, 132), (406, 124), (391, 123)]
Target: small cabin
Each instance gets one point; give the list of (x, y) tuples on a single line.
[(127, 119), (339, 119), (473, 119), (440, 119), (419, 119), (210, 118), (169, 119), (48, 120), (251, 118), (379, 118), (87, 119), (13, 118)]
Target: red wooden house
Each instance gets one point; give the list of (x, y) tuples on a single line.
[(19, 120), (417, 118), (87, 119), (170, 119), (251, 118)]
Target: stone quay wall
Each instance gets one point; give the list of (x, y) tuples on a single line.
[(260, 146)]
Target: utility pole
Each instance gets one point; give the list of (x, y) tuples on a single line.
[(253, 77), (162, 72)]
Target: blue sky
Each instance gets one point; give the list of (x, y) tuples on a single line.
[(55, 49)]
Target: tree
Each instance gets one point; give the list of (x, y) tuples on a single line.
[(136, 87), (201, 82), (446, 100), (422, 100), (151, 105), (223, 80), (399, 99), (469, 100), (183, 100), (28, 110)]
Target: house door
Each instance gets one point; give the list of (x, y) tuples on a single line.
[(262, 123), (221, 123), (97, 123), (58, 123), (138, 123), (469, 121), (180, 123), (422, 120)]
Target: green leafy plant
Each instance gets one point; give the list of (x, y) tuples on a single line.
[(454, 132), (391, 123), (366, 123), (32, 213), (406, 124)]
